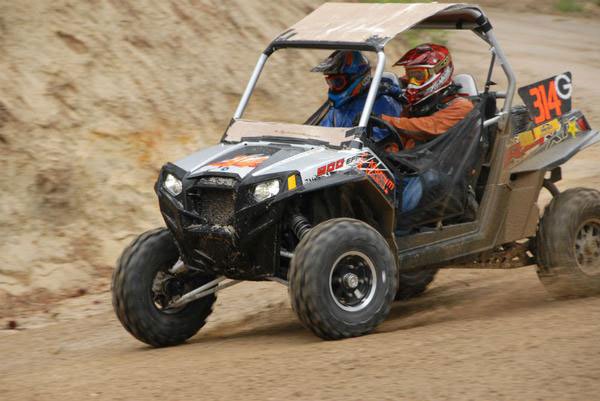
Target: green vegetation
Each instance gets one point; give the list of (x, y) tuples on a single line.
[(569, 6), (414, 38), (399, 1)]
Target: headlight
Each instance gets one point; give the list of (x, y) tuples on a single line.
[(266, 189), (173, 185)]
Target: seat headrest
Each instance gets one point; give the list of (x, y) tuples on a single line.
[(467, 85), (391, 77)]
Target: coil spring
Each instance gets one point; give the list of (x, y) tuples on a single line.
[(300, 225)]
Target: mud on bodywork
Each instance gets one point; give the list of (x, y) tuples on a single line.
[(221, 229)]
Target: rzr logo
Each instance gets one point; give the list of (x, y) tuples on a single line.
[(241, 161)]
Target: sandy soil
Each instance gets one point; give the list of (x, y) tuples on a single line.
[(474, 335)]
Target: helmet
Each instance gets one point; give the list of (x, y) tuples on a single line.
[(347, 73), (344, 62), (429, 70)]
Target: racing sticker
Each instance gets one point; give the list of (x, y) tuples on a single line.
[(241, 161), (377, 172), (240, 164), (543, 136), (548, 99)]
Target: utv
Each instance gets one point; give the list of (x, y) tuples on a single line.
[(315, 208)]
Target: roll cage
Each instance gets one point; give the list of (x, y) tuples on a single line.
[(369, 27)]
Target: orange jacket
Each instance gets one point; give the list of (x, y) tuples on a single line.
[(423, 129)]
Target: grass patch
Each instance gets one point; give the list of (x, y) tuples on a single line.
[(414, 38), (569, 6), (398, 1)]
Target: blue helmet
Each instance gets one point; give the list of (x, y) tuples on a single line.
[(347, 74), (344, 62)]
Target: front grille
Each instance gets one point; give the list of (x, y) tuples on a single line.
[(213, 205)]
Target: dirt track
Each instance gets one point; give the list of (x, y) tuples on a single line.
[(477, 335)]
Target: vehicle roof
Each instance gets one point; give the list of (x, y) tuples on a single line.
[(372, 25)]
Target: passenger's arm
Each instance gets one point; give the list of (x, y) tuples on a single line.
[(424, 128)]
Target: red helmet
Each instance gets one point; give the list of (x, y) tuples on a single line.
[(429, 70)]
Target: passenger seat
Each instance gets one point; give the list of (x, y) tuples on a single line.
[(390, 76), (467, 85)]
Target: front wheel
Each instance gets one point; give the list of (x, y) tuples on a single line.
[(143, 287), (568, 244), (343, 279)]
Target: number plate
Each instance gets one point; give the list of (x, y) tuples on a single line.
[(548, 99)]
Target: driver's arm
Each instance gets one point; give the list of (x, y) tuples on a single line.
[(385, 105), (425, 128)]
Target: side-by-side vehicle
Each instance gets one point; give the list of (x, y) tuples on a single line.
[(316, 208)]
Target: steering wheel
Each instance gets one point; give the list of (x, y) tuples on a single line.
[(394, 136)]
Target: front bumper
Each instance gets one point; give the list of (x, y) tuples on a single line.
[(218, 232)]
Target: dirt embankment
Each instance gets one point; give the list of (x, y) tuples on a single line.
[(95, 97)]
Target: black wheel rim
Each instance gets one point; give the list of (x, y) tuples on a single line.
[(352, 281), (587, 247), (165, 289)]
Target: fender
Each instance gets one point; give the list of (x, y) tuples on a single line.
[(570, 136)]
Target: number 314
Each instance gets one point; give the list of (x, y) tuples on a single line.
[(545, 101)]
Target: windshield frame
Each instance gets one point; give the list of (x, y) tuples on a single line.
[(364, 117), (354, 133)]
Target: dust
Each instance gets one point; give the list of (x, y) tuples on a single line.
[(97, 95), (86, 123)]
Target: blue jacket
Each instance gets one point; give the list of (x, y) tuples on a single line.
[(347, 113)]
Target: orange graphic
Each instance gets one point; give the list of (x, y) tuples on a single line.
[(545, 101), (241, 161), (373, 170)]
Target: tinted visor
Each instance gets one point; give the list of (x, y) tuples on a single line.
[(337, 82)]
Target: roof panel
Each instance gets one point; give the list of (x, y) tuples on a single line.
[(362, 23)]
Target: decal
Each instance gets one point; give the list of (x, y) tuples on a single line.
[(540, 138), (564, 87), (241, 161), (308, 180), (548, 99), (330, 167), (377, 172), (572, 128)]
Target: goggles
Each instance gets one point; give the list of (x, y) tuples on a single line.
[(417, 76), (337, 82)]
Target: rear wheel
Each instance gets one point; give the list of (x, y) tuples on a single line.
[(343, 279), (568, 244), (143, 287), (412, 284)]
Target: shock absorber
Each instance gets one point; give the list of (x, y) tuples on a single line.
[(300, 225)]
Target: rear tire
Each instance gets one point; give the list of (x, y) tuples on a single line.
[(568, 244), (134, 297), (412, 284), (343, 279)]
